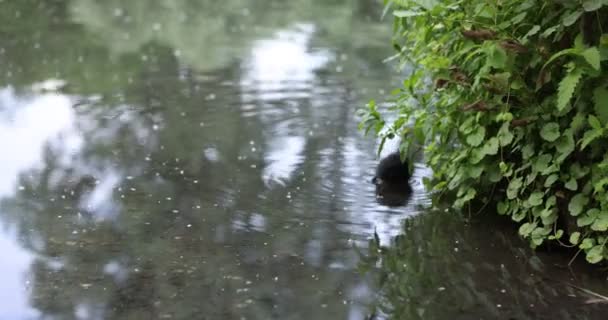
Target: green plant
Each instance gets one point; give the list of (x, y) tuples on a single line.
[(510, 100)]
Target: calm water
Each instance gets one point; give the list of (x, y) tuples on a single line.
[(178, 159)]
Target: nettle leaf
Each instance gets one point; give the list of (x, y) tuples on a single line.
[(550, 131), (600, 104), (577, 204), (575, 237), (592, 56), (476, 137), (513, 188), (566, 88)]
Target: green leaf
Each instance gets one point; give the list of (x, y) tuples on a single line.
[(601, 223), (592, 56), (476, 155), (535, 199), (549, 31), (589, 136), (592, 5), (587, 219), (546, 213), (406, 13), (571, 184), (534, 30), (577, 204), (550, 131), (518, 18), (526, 229), (475, 172), (594, 122), (575, 237), (513, 188), (550, 180), (502, 207), (600, 103), (596, 254), (571, 18), (518, 215), (527, 151), (587, 243), (476, 137), (565, 143), (496, 57), (599, 185), (577, 171), (577, 122), (541, 163), (566, 88), (427, 4), (467, 125), (550, 202), (491, 146), (505, 137)]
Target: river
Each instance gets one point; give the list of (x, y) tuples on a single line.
[(178, 159)]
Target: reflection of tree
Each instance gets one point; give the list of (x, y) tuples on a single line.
[(184, 241), (98, 50), (209, 35), (440, 269)]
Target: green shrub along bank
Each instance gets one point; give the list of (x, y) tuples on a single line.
[(510, 100)]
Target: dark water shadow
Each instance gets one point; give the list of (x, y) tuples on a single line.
[(443, 267)]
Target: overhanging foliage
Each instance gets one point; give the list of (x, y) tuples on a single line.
[(510, 100)]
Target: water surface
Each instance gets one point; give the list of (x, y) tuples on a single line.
[(198, 160)]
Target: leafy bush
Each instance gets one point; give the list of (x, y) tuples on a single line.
[(510, 100)]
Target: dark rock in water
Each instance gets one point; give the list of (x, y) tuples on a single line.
[(392, 181)]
